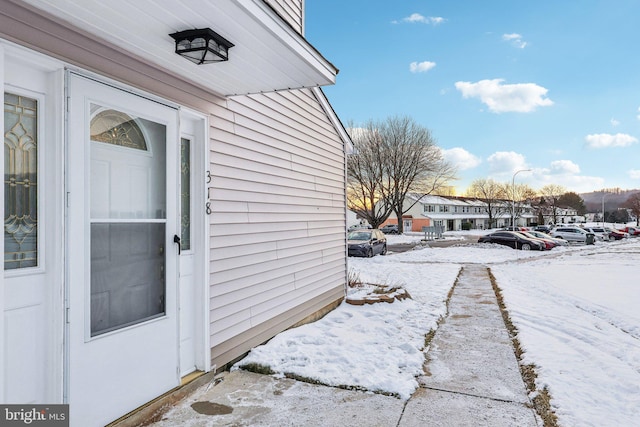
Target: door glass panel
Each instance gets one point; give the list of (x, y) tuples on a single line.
[(127, 274), (185, 194), (20, 182), (128, 219)]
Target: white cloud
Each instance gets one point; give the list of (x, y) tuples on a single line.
[(576, 183), (421, 67), (461, 158), (506, 162), (417, 18), (501, 98), (605, 140), (515, 39), (566, 173), (614, 122), (563, 167), (634, 173)]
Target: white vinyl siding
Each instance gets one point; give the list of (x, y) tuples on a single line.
[(277, 246), (290, 11), (278, 217)]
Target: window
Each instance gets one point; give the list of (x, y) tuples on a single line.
[(117, 128), (20, 182), (443, 208), (185, 194), (128, 216), (429, 208)]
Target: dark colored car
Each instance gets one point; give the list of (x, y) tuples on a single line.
[(366, 243), (516, 228), (542, 228), (513, 239), (390, 229)]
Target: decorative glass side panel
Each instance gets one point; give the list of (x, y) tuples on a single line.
[(185, 194), (20, 182)]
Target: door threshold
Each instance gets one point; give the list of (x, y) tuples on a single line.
[(154, 410), (190, 377)]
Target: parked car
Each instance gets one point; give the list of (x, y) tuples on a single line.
[(570, 234), (542, 228), (390, 229), (616, 234), (359, 227), (545, 236), (513, 239), (599, 232), (632, 231), (366, 242), (548, 243), (516, 228)]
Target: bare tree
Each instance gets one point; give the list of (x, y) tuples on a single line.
[(551, 194), (391, 158), (633, 204), (365, 191), (520, 196), (493, 194), (412, 163)]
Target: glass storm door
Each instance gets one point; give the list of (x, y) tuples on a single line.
[(123, 323)]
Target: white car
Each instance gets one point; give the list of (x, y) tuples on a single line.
[(600, 232), (570, 234)]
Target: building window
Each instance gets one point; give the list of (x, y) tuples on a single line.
[(20, 182), (428, 208)]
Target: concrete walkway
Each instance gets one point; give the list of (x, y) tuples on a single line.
[(471, 379), (471, 376)]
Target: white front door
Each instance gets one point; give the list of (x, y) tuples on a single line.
[(122, 260)]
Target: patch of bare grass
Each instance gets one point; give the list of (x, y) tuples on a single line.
[(541, 398), (429, 336)]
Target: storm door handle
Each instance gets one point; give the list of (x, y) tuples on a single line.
[(176, 239)]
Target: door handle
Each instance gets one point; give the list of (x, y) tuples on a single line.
[(176, 239)]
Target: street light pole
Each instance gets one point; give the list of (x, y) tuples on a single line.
[(513, 196)]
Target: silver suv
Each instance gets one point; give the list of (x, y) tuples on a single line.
[(570, 234)]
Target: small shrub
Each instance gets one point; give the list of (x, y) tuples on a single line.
[(353, 279)]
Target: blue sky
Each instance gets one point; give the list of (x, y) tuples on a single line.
[(551, 86)]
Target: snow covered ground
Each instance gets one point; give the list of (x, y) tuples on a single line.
[(576, 309)]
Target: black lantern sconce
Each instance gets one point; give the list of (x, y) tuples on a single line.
[(202, 46)]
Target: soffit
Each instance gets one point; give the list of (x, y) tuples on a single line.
[(268, 54)]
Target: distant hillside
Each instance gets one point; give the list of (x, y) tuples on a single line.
[(613, 199)]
